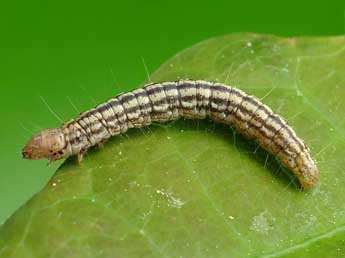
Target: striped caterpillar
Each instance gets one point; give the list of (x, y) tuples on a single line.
[(167, 101)]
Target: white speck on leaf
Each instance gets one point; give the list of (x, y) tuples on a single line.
[(262, 223), (172, 201)]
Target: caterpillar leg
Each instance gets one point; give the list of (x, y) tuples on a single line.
[(100, 145), (80, 156)]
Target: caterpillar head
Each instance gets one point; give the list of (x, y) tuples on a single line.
[(48, 144)]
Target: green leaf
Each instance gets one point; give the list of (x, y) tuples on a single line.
[(195, 189)]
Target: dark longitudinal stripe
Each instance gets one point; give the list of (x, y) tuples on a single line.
[(141, 94), (150, 91), (170, 86), (126, 97), (85, 128), (144, 108), (113, 103), (148, 98)]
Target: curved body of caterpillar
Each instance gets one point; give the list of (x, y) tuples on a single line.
[(167, 101)]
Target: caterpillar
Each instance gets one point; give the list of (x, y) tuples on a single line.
[(168, 101)]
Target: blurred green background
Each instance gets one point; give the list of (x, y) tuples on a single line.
[(76, 54)]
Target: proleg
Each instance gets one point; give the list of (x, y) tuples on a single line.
[(168, 101)]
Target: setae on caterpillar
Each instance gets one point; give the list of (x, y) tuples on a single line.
[(167, 101)]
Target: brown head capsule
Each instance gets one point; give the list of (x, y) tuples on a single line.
[(48, 144)]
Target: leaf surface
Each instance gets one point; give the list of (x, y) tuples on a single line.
[(196, 189)]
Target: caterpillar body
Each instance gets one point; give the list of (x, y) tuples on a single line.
[(167, 101)]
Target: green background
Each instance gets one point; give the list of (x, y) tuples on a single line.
[(84, 52)]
